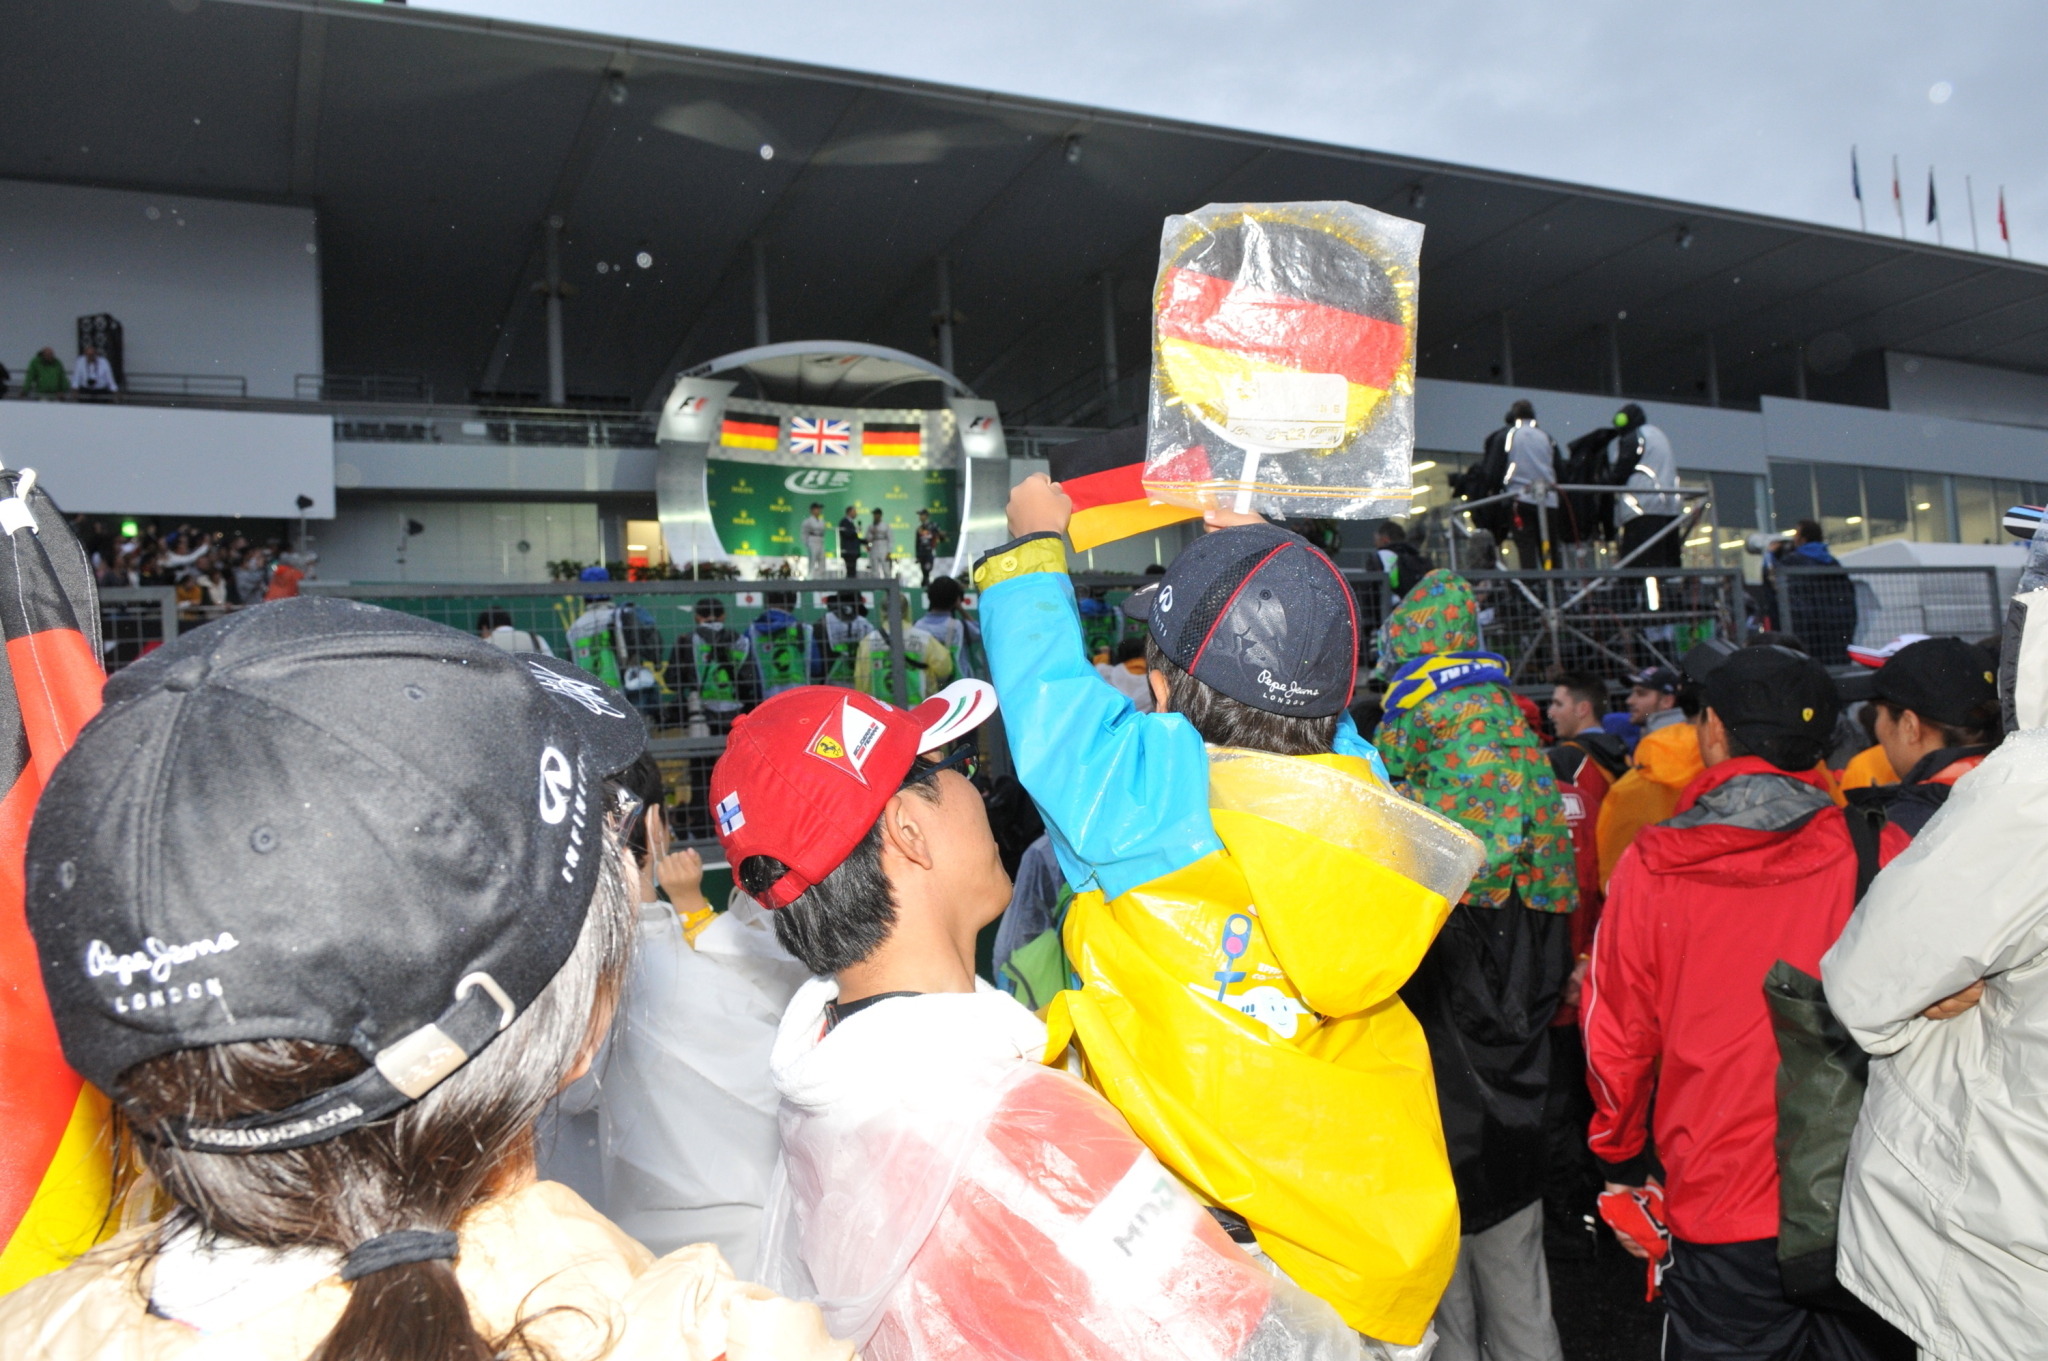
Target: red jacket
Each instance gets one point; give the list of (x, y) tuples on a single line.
[(1586, 767), (1754, 867)]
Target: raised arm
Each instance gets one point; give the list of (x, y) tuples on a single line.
[(1125, 795)]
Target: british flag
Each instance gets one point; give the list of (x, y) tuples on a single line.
[(819, 435)]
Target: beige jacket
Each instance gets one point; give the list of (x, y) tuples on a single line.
[(536, 1249)]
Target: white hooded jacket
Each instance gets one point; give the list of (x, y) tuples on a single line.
[(1944, 1226)]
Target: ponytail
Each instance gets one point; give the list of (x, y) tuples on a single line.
[(423, 1169)]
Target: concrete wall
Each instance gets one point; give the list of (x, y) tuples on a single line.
[(1944, 387), (200, 286), (460, 541), (491, 467), (1458, 417), (172, 461)]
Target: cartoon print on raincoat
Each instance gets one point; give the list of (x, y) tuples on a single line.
[(1467, 753)]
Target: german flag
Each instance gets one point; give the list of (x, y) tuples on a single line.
[(56, 1165), (1102, 476), (1280, 329), (740, 431), (890, 437)]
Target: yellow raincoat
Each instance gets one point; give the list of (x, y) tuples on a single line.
[(1242, 923), (1309, 1037)]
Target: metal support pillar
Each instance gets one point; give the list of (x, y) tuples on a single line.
[(760, 292), (558, 388), (1713, 372), (1109, 374), (1507, 354), (945, 314)]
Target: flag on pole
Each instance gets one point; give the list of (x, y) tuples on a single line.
[(1103, 476), (1898, 199), (56, 1166), (1933, 211), (2004, 234), (1856, 188)]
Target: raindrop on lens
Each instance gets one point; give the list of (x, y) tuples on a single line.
[(1939, 92), (644, 260), (767, 152)]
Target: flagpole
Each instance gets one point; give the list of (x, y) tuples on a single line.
[(1898, 199), (2004, 230), (1934, 208), (1856, 187), (1970, 196)]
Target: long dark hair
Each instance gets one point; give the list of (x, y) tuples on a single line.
[(423, 1169)]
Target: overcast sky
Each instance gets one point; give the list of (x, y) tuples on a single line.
[(1748, 104)]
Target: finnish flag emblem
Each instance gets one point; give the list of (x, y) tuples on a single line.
[(730, 818)]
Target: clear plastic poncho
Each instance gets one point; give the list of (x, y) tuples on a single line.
[(944, 1197), (1283, 360), (686, 1109)]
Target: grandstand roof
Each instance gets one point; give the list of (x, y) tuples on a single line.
[(433, 146)]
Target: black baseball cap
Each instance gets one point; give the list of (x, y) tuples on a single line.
[(1659, 678), (320, 820), (1780, 703), (1945, 679), (1259, 614)]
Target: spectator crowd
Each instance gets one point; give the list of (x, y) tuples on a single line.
[(1325, 1004)]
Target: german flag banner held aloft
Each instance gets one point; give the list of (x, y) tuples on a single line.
[(1103, 475), (55, 1159), (1283, 360)]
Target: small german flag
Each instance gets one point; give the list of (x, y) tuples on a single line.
[(1102, 476), (740, 431), (889, 437)]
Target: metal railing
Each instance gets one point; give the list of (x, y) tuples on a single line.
[(223, 386), (646, 652), (1696, 501), (1830, 608), (363, 387), (1608, 622), (135, 620), (546, 428)]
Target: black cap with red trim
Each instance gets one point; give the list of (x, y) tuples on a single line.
[(1258, 614)]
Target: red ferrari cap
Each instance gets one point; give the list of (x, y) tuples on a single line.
[(805, 775)]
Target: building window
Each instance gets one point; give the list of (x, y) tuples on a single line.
[(1838, 491), (1977, 510), (1857, 507), (1887, 512), (1792, 494), (1929, 503)]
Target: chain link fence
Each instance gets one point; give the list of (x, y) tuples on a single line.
[(659, 642), (1608, 623), (1830, 608)]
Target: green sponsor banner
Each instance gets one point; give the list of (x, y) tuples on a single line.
[(757, 508)]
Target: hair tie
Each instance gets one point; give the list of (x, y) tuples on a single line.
[(401, 1248)]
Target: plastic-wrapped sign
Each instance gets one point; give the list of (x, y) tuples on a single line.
[(1283, 360)]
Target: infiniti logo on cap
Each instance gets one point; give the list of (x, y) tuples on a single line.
[(556, 780)]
